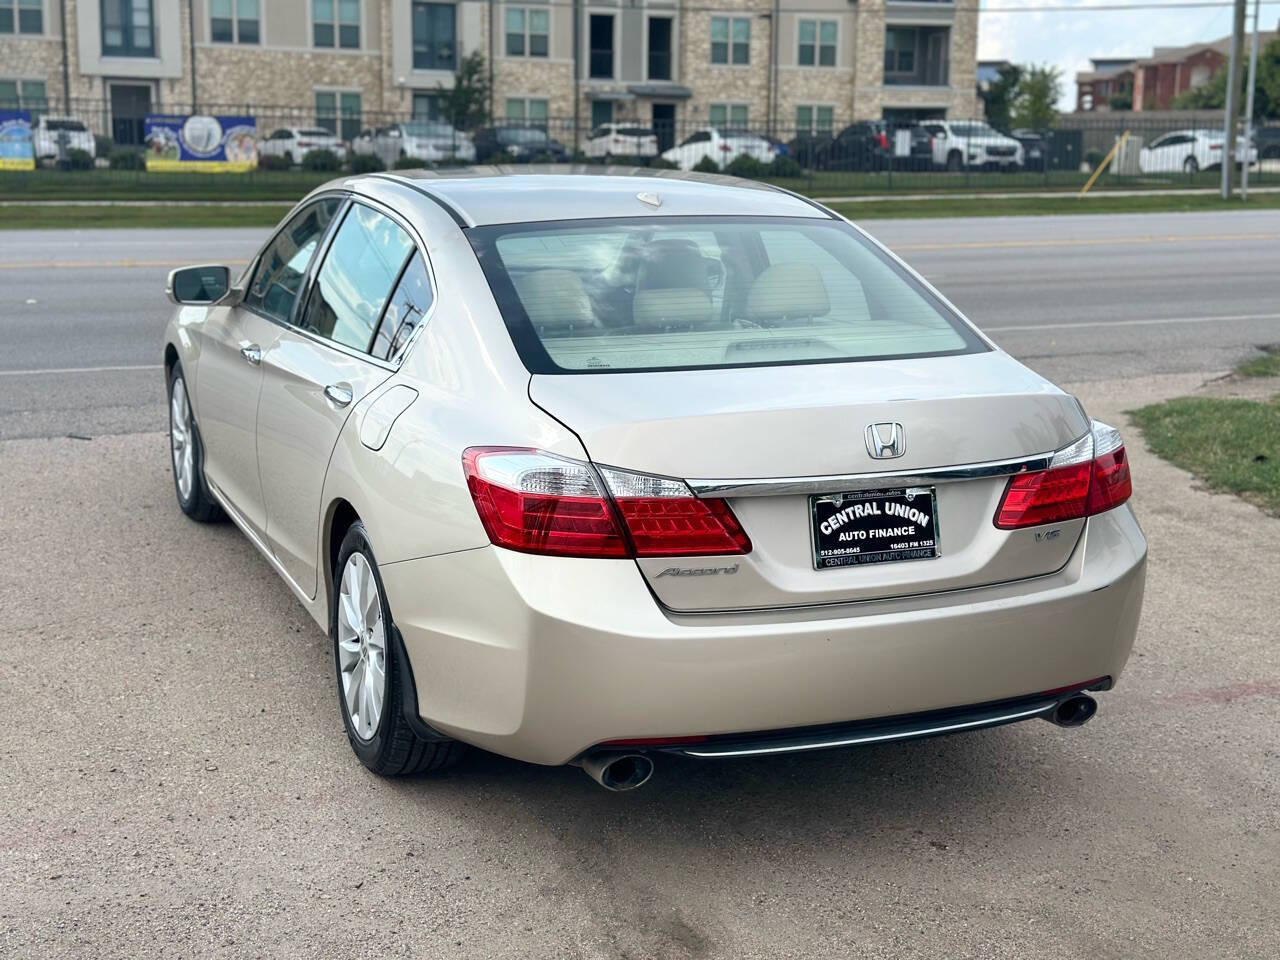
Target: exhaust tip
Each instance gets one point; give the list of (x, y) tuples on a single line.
[(1075, 711), (618, 771)]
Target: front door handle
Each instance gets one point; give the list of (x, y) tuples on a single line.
[(251, 352), (338, 394)]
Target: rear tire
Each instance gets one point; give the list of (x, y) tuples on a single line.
[(368, 670), (1190, 166), (288, 158), (955, 162), (186, 451)]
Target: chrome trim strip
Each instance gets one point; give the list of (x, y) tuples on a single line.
[(906, 734), (772, 486)]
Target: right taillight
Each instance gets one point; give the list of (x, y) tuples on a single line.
[(1088, 477), (537, 502)]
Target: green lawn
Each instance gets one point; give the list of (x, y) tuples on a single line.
[(1024, 206), (76, 217), (1231, 444)]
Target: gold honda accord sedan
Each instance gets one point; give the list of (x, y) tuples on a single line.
[(591, 469)]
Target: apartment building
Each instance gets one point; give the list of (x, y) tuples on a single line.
[(776, 64)]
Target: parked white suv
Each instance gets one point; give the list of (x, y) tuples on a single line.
[(969, 143), (720, 146), (620, 140), (1188, 151), (294, 143), (45, 131)]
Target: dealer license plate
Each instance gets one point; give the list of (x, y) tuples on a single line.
[(874, 526)]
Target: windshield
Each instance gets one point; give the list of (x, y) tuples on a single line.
[(972, 130), (428, 130), (689, 292), (522, 135)]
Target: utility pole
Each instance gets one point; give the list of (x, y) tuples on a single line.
[(1233, 99), (1248, 102)]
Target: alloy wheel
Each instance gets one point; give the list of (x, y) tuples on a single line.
[(182, 439), (362, 646)]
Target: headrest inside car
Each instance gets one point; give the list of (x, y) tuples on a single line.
[(788, 291), (555, 300)]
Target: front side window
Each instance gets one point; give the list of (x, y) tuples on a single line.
[(528, 32), (435, 37), (284, 263), (817, 43), (691, 292), (731, 40), (233, 21), (356, 279), (336, 23), (21, 16), (128, 29)]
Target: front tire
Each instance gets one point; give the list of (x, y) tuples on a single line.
[(187, 454), (368, 670), (955, 162), (1190, 166)]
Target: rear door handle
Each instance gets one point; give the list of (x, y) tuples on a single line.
[(338, 394), (251, 352)]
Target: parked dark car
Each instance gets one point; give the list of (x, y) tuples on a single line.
[(1035, 148), (1267, 140), (872, 145), (523, 144), (807, 147)]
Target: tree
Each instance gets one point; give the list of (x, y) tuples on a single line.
[(998, 97), (1035, 103), (466, 105), (1213, 95)]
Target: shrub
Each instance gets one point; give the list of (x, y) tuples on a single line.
[(410, 163), (746, 166), (501, 157), (706, 165), (267, 161), (79, 159), (321, 161), (123, 158), (1093, 158), (102, 146), (662, 163), (366, 163), (785, 167)]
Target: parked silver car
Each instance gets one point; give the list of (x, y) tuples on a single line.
[(592, 468)]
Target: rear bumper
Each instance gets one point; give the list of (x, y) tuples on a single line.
[(541, 658)]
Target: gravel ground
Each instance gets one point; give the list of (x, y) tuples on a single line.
[(177, 782)]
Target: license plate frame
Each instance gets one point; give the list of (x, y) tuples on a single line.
[(864, 548)]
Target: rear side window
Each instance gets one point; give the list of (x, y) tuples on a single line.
[(690, 292), (284, 263), (405, 310), (359, 271)]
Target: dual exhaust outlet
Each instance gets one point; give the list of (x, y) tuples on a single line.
[(620, 770)]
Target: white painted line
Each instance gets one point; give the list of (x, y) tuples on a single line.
[(57, 370), (1130, 323)]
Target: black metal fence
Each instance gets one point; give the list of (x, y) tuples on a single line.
[(826, 157)]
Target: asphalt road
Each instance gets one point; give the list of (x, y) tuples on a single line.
[(175, 780), (1074, 297)]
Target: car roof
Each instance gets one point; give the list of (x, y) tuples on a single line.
[(479, 196)]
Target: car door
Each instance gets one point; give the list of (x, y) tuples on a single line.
[(232, 343), (315, 374)]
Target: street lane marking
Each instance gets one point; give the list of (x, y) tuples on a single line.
[(57, 370), (1129, 323), (99, 264), (1075, 241)]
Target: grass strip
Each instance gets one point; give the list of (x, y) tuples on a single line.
[(1035, 206), (75, 217)]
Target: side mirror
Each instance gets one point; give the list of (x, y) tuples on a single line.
[(206, 284)]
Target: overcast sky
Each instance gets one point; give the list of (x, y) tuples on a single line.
[(1068, 40)]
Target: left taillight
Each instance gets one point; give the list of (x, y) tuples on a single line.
[(1088, 477), (537, 502)]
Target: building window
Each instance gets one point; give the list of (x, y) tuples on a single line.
[(530, 110), (917, 55), (813, 118), (730, 40), (600, 32), (817, 43), (21, 16), (730, 116), (660, 48), (336, 23), (233, 21), (528, 32), (435, 36), (601, 113), (127, 29), (338, 111), (24, 95), (426, 106)]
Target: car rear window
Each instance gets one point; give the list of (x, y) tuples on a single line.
[(691, 292)]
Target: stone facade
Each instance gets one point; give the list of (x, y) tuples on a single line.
[(725, 83), (34, 58), (236, 75), (534, 78)]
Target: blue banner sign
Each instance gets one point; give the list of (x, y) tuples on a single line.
[(201, 143), (16, 149)]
